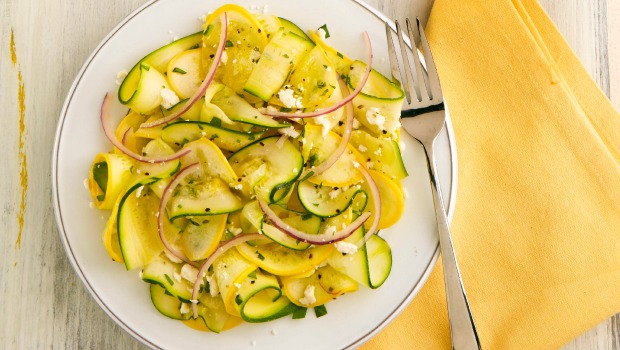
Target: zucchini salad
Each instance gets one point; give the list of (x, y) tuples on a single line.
[(252, 172)]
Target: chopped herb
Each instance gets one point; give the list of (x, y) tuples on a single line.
[(321, 84), (229, 43), (101, 197), (251, 137), (285, 110), (339, 55), (285, 55), (214, 136), (207, 287), (169, 279), (217, 122), (194, 47), (259, 255), (144, 66), (179, 70), (306, 216), (300, 313), (238, 300), (324, 27), (320, 310), (314, 158), (208, 30), (252, 274), (193, 222)]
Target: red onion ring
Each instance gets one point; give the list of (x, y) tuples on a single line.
[(233, 242), (338, 105), (315, 239), (374, 190), (182, 174), (111, 135), (346, 136), (205, 83), (125, 136)]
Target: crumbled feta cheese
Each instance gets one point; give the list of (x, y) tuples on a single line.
[(334, 193), (271, 109), (346, 247), (189, 272), (328, 69), (234, 230), (238, 285), (238, 187), (120, 76), (374, 117), (176, 276), (290, 132), (139, 191), (202, 18), (330, 229), (184, 308), (378, 152), (309, 297), (168, 98), (362, 148), (213, 289), (321, 120), (224, 58), (356, 164), (322, 33), (91, 205), (356, 124), (234, 61), (295, 170), (287, 97), (369, 165), (254, 55), (172, 258)]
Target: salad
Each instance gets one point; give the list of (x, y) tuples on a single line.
[(252, 172)]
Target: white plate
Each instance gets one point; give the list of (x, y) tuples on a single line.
[(353, 318)]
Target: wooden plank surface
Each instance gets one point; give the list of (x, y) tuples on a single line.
[(43, 44)]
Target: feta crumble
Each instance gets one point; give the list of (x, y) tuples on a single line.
[(309, 297), (321, 120), (168, 98), (290, 132), (189, 272), (334, 193), (120, 76), (322, 33), (346, 247), (288, 98), (172, 258), (362, 148), (224, 58), (213, 289), (374, 117), (184, 308)]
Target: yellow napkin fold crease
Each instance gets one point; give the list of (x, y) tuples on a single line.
[(537, 222)]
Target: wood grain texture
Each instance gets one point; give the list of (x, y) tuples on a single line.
[(42, 301)]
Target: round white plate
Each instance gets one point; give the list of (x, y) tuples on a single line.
[(353, 318)]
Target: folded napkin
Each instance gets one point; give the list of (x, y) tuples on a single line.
[(537, 222)]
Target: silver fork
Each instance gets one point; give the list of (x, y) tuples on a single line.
[(423, 117)]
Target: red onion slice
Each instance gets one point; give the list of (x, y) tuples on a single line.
[(205, 83), (233, 242), (111, 135), (338, 105), (126, 136), (346, 136), (376, 196), (316, 239), (182, 174)]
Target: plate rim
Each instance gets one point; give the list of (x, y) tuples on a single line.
[(69, 252)]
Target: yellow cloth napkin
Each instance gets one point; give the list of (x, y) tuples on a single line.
[(537, 221)]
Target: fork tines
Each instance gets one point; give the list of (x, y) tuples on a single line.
[(416, 94)]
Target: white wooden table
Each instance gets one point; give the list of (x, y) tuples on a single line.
[(43, 44)]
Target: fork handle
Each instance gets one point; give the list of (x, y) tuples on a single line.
[(462, 328)]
